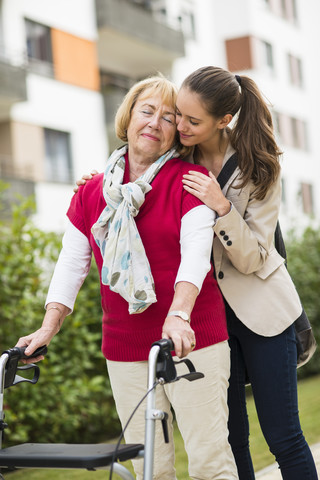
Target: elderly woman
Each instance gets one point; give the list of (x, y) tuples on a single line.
[(152, 243)]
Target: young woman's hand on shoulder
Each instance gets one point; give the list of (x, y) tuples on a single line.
[(83, 180), (208, 190)]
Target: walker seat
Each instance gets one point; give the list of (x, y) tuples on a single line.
[(61, 455)]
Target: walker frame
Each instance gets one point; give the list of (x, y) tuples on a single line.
[(90, 456)]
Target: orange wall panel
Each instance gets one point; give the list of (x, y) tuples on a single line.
[(75, 60), (239, 53)]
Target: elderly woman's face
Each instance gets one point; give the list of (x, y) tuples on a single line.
[(152, 127)]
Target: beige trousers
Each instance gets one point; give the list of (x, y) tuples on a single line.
[(200, 408)]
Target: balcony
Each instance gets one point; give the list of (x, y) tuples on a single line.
[(132, 43), (10, 169), (12, 86)]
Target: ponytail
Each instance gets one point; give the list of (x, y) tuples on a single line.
[(253, 138)]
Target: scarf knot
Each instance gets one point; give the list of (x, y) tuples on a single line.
[(134, 195), (125, 267)]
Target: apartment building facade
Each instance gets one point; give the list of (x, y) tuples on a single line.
[(273, 42), (65, 66)]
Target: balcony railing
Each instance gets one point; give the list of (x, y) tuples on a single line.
[(9, 171), (12, 81), (138, 22), (132, 41)]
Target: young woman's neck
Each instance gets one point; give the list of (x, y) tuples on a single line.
[(211, 155)]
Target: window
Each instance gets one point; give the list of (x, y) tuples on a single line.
[(289, 10), (266, 55), (159, 10), (295, 70), (187, 24), (39, 47), (291, 131), (299, 133), (283, 5), (307, 198), (294, 10), (38, 41), (143, 3), (58, 164), (276, 123), (113, 88)]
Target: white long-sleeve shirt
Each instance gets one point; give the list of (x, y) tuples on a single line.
[(73, 265)]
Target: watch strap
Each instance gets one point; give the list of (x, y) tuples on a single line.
[(181, 314)]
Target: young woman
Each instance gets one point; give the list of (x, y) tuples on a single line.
[(261, 301), (260, 298)]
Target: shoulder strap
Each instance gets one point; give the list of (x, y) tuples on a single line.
[(279, 242), (227, 170)]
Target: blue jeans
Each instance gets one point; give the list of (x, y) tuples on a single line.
[(271, 364)]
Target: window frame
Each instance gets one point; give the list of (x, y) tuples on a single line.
[(58, 165)]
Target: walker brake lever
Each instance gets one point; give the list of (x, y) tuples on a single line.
[(192, 375), (165, 367), (164, 423)]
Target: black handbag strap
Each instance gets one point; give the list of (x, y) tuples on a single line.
[(227, 170), (279, 243)]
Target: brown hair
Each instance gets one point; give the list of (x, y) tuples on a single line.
[(155, 85), (252, 135)]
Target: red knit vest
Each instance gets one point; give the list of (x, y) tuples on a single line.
[(128, 337)]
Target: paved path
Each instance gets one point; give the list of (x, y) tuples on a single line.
[(273, 473)]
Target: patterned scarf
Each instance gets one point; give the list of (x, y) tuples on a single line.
[(125, 266)]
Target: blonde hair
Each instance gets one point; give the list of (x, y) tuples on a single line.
[(155, 85)]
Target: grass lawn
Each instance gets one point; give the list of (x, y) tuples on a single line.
[(309, 394)]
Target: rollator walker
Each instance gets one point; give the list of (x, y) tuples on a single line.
[(161, 370)]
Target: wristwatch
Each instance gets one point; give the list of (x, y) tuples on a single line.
[(181, 314)]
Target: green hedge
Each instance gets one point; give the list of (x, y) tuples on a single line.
[(72, 401), (304, 266)]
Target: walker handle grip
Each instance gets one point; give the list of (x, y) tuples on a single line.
[(39, 351), (165, 343), (15, 354)]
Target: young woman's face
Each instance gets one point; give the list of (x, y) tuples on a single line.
[(195, 125)]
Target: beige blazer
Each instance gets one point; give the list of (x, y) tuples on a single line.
[(250, 272)]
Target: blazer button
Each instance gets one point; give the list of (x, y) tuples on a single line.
[(226, 237), (221, 275), (229, 243), (222, 232)]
